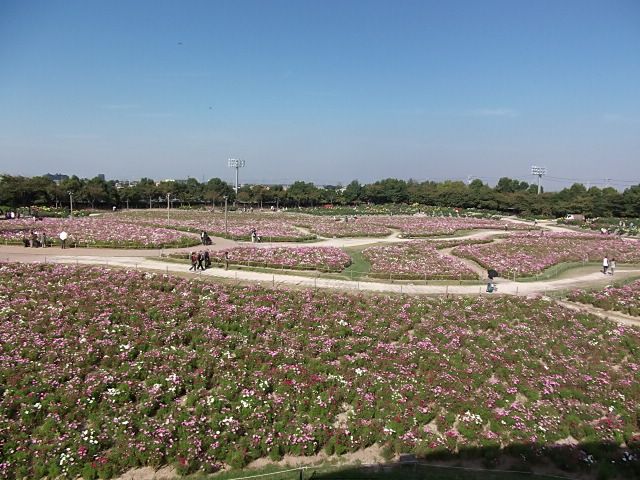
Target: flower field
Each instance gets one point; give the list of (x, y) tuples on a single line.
[(625, 299), (106, 370), (282, 226), (271, 227), (358, 227), (422, 226), (326, 259), (530, 253), (99, 231), (417, 259), (409, 225)]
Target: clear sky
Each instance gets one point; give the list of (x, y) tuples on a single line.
[(325, 91)]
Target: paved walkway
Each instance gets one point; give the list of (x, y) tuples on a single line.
[(608, 314), (150, 259)]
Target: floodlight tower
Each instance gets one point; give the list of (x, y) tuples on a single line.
[(540, 172), (237, 164)]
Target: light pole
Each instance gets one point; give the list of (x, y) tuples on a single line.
[(71, 204), (226, 232), (237, 164), (168, 204), (539, 171)]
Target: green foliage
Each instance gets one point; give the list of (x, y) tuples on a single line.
[(508, 196)]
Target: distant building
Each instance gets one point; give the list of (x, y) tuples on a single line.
[(100, 176), (57, 178)]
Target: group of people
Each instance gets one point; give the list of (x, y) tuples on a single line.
[(608, 266), (10, 215), (200, 260), (35, 239)]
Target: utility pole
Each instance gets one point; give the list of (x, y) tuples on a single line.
[(540, 172), (168, 204), (71, 204), (237, 164), (226, 230)]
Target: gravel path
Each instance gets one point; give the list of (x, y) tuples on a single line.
[(150, 259)]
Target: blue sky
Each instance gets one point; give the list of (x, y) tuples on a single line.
[(324, 91)]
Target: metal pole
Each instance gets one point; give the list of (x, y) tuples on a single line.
[(71, 204), (168, 205), (226, 231)]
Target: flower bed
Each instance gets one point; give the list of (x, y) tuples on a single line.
[(270, 227), (324, 259), (530, 254), (415, 260), (106, 370), (338, 227), (625, 299), (100, 231), (422, 226)]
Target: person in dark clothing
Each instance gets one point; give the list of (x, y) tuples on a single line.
[(207, 259), (200, 260), (194, 261)]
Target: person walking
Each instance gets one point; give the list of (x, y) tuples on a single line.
[(612, 266), (200, 260), (226, 260), (194, 261), (605, 265), (207, 259), (63, 239)]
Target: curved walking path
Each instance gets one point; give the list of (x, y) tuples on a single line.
[(151, 260), (136, 260), (607, 314)]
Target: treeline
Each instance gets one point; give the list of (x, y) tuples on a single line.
[(508, 196)]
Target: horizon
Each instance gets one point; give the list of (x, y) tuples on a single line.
[(323, 92), (588, 184)]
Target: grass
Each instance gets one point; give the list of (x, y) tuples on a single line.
[(360, 266)]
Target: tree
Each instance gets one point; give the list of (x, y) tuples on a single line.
[(353, 193), (146, 188), (95, 190), (303, 193), (631, 201), (389, 190), (216, 189)]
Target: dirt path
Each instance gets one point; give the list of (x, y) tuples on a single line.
[(606, 314), (481, 272), (151, 260), (505, 287)]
